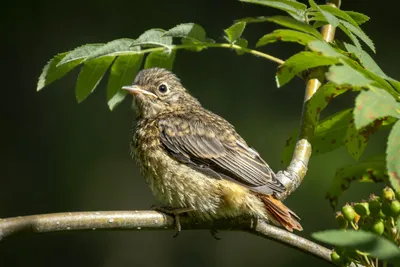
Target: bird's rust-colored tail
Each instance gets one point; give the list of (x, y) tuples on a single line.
[(282, 214)]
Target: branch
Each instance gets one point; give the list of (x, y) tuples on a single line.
[(293, 176), (150, 220)]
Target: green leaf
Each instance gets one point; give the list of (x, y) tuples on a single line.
[(374, 104), (114, 48), (153, 37), (160, 59), (327, 15), (324, 48), (344, 74), (324, 95), (122, 73), (358, 17), (376, 246), (367, 61), (51, 72), (285, 36), (79, 53), (300, 62), (241, 42), (90, 76), (352, 37), (328, 136), (372, 169), (295, 9), (359, 33), (187, 30), (393, 156), (330, 132), (290, 144), (235, 31), (295, 25), (339, 13)]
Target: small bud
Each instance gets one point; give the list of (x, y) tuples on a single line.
[(336, 259), (395, 208), (362, 209), (348, 213), (374, 205), (388, 194), (341, 221), (378, 227)]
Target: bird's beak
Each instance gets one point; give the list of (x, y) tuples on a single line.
[(134, 90)]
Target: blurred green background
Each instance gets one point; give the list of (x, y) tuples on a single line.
[(59, 156)]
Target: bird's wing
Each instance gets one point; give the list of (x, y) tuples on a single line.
[(217, 150)]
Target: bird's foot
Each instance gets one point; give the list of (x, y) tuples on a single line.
[(175, 212), (214, 233)]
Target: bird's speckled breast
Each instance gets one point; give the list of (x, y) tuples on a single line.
[(172, 183)]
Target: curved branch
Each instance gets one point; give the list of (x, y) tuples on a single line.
[(293, 176), (150, 220)]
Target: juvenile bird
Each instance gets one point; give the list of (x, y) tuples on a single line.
[(194, 161)]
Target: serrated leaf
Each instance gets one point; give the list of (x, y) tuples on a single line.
[(352, 37), (324, 48), (367, 61), (290, 144), (285, 36), (51, 72), (153, 37), (372, 169), (187, 30), (122, 73), (114, 48), (376, 246), (295, 9), (344, 74), (330, 132), (329, 135), (235, 31), (324, 95), (393, 156), (79, 53), (242, 43), (90, 76), (339, 13), (359, 33), (330, 18), (295, 25), (374, 104), (193, 44), (359, 18), (300, 62), (356, 140), (160, 59)]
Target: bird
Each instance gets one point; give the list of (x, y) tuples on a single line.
[(195, 162)]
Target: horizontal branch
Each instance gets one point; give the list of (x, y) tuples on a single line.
[(150, 220)]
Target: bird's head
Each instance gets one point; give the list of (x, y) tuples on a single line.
[(157, 91)]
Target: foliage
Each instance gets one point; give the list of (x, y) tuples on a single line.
[(343, 66)]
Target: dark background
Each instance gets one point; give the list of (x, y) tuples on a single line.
[(59, 156)]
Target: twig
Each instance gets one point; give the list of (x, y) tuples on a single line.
[(149, 220), (293, 176)]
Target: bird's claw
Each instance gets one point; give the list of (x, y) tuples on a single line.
[(174, 212), (214, 233)]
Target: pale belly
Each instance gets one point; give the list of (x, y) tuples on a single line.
[(176, 185)]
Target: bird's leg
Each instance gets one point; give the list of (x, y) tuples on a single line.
[(175, 212), (214, 233)]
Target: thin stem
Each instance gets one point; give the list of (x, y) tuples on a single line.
[(150, 220), (205, 45), (293, 176)]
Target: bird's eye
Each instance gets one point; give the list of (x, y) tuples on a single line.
[(163, 88)]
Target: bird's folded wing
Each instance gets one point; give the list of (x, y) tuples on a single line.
[(217, 152)]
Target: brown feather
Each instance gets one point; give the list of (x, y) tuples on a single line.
[(281, 213)]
